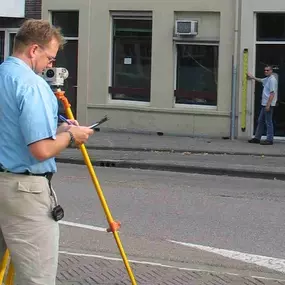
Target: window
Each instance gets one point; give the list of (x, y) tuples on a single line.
[(68, 21), (197, 74), (131, 76), (270, 27), (6, 42), (11, 42)]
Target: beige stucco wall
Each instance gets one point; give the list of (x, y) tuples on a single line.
[(247, 40), (216, 18)]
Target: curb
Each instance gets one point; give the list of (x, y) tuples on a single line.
[(261, 174), (142, 149)]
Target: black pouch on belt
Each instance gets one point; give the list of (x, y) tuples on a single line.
[(57, 212)]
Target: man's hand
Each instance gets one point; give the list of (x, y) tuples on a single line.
[(73, 122), (250, 76), (268, 105), (80, 134), (47, 148), (65, 127)]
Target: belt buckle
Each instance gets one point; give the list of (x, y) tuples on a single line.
[(4, 170)]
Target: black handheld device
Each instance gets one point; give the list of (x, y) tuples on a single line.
[(95, 125)]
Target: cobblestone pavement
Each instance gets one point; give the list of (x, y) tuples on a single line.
[(77, 270)]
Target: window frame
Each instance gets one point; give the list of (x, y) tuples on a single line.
[(122, 16), (192, 106), (7, 32), (257, 23), (66, 11)]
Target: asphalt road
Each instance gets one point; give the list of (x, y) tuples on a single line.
[(155, 208)]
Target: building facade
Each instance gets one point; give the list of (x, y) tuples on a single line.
[(132, 61)]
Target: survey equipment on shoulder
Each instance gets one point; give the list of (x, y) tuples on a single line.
[(55, 77)]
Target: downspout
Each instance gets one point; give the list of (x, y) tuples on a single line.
[(234, 72)]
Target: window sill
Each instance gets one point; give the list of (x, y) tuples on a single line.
[(144, 108), (195, 107), (124, 103)]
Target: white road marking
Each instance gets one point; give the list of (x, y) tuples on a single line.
[(163, 265), (71, 224), (276, 264)]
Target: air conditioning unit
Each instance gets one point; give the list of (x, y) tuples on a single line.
[(186, 28)]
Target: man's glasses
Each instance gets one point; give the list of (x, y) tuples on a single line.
[(49, 57)]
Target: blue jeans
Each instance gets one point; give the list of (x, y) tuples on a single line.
[(265, 119)]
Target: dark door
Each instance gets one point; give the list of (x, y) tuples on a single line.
[(68, 21), (271, 54)]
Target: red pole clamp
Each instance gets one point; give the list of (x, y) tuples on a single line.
[(114, 226), (60, 95)]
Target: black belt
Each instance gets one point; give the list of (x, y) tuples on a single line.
[(47, 175)]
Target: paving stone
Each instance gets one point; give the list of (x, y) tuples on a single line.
[(94, 271)]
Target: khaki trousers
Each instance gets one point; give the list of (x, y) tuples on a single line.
[(27, 228)]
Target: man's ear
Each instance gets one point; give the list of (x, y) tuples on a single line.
[(32, 51)]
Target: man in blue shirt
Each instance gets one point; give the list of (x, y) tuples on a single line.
[(268, 102), (29, 142)]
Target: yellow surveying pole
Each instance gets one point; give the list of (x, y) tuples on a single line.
[(114, 226), (5, 264), (244, 90)]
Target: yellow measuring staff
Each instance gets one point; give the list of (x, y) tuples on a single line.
[(114, 226), (244, 90), (5, 264)]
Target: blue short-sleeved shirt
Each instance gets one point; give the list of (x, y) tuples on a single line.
[(270, 84), (28, 113)]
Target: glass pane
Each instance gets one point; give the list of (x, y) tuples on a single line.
[(68, 58), (197, 75), (2, 46), (127, 27), (68, 21), (132, 60), (271, 27), (11, 42)]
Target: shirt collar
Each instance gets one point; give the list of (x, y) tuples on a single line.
[(18, 61)]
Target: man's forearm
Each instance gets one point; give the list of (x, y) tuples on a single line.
[(257, 79), (270, 99), (49, 148), (62, 128)]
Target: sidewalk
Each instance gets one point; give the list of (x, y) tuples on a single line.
[(78, 270), (182, 154), (145, 142)]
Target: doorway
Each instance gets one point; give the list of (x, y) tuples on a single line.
[(273, 55), (270, 50)]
